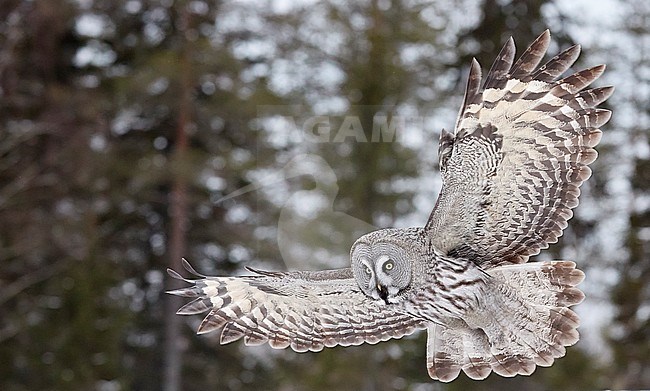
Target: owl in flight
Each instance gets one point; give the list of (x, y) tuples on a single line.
[(511, 174)]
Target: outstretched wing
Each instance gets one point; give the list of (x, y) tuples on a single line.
[(522, 144), (301, 310)]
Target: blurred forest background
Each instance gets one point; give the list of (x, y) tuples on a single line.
[(123, 124)]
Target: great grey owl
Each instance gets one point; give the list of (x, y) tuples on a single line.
[(511, 175)]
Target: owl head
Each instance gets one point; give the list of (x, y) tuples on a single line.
[(382, 263)]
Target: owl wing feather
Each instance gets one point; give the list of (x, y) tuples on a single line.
[(523, 322), (304, 310), (520, 151)]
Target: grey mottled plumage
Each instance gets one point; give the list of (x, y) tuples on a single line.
[(511, 175)]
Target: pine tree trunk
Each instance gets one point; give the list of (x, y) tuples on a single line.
[(173, 349)]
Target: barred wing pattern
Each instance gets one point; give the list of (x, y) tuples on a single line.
[(522, 144), (304, 310), (524, 321)]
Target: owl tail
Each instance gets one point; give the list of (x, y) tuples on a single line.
[(524, 322)]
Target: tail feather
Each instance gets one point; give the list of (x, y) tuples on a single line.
[(525, 323)]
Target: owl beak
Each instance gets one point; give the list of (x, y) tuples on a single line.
[(383, 292)]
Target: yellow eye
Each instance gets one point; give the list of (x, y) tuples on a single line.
[(389, 265), (368, 271)]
